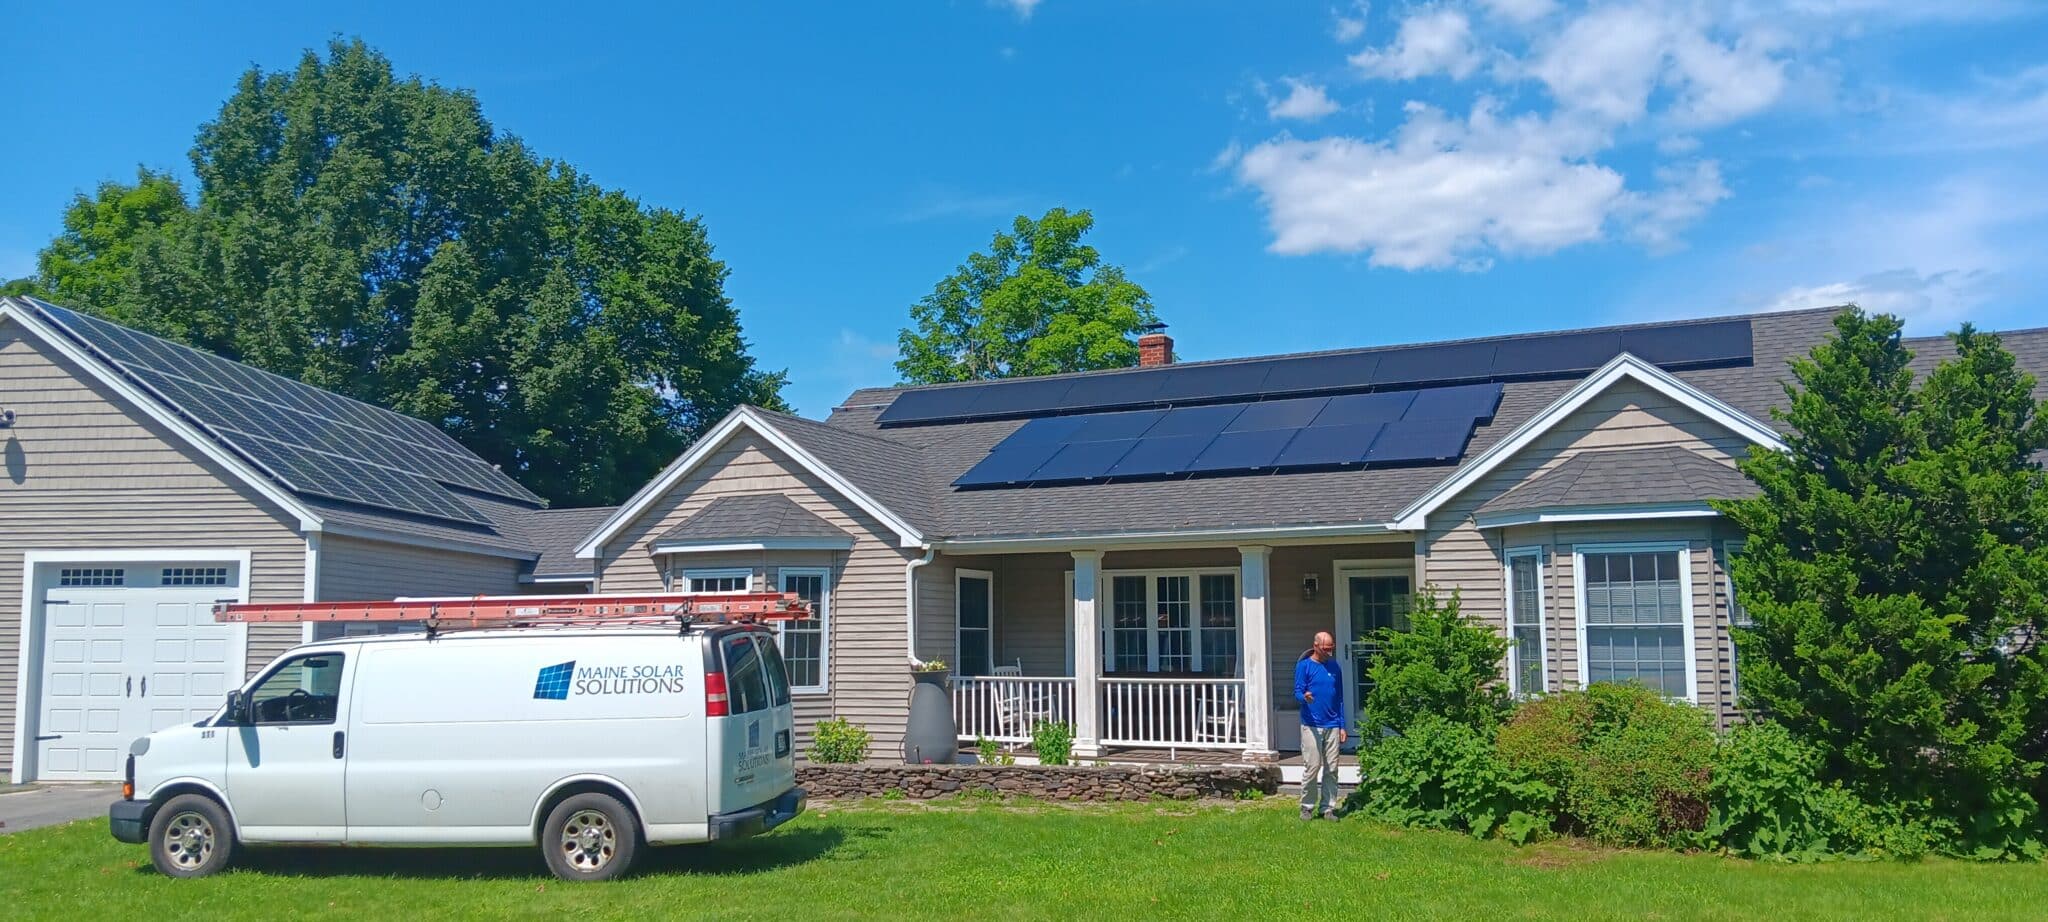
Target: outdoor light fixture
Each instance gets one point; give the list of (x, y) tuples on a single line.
[(1308, 587), (6, 419)]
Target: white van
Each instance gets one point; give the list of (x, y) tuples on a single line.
[(587, 742)]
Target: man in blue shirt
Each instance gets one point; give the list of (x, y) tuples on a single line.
[(1319, 687)]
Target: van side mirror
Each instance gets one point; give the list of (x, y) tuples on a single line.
[(237, 705)]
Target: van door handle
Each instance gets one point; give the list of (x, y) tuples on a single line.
[(337, 744), (145, 686), (128, 691)]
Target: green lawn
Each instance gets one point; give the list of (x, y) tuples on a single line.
[(1018, 861)]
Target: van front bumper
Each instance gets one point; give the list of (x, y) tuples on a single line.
[(128, 820), (756, 820)]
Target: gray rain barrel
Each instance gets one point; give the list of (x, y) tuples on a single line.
[(930, 736)]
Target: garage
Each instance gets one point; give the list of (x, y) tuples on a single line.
[(124, 647)]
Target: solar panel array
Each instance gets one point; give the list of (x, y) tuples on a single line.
[(311, 441), (1694, 345), (1383, 428)]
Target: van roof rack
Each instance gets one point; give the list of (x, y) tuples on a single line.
[(508, 611)]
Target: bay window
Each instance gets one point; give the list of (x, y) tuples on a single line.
[(1635, 616)]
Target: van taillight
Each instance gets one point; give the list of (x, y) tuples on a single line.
[(716, 703)]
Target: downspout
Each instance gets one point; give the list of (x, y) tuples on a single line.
[(910, 601)]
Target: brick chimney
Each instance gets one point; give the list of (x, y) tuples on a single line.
[(1155, 349)]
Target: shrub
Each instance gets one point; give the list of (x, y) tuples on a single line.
[(990, 752), (1444, 665), (838, 742), (1768, 802), (1445, 775), (1054, 743), (1629, 767)]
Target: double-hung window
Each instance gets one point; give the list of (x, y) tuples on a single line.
[(1178, 621), (1738, 617), (1635, 616), (804, 642), (1525, 622), (974, 622)]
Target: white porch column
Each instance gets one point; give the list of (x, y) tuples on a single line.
[(1254, 613), (1087, 655)]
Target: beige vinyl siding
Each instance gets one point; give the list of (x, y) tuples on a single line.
[(936, 615), (1462, 556), (85, 471), (354, 568), (1296, 620), (870, 681)]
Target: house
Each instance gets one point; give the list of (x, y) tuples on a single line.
[(1143, 553), (146, 480)]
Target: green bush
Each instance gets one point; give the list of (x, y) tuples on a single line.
[(990, 752), (1443, 665), (1768, 802), (1629, 767), (838, 742), (1445, 775), (1054, 743)]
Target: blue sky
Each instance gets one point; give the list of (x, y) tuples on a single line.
[(1280, 176)]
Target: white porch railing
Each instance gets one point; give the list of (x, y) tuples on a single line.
[(1173, 713), (1005, 708)]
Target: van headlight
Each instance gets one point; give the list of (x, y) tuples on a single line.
[(140, 747)]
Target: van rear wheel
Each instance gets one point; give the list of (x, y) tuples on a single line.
[(190, 836), (590, 837)]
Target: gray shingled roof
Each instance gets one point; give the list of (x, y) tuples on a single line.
[(750, 518), (555, 533), (1661, 474), (910, 469)]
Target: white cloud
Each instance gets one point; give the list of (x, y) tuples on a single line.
[(1431, 41), (1304, 100), (1520, 11), (1443, 193), (1683, 195), (1926, 302), (1023, 8), (1346, 25), (1226, 158)]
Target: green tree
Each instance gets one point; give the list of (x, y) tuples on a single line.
[(1038, 302), (377, 236), (1896, 566)]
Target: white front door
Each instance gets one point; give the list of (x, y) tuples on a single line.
[(1368, 600), (124, 654)]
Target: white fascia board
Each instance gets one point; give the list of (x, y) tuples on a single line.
[(1623, 366), (1168, 539), (762, 544), (743, 417), (1619, 513), (154, 409), (552, 580)]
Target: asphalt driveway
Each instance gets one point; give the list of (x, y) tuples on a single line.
[(49, 805)]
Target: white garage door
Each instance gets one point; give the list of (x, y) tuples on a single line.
[(128, 649)]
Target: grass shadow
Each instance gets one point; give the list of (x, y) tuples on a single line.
[(780, 849)]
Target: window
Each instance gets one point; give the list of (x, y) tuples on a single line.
[(1635, 618), (88, 576), (304, 690), (1737, 617), (702, 581), (1525, 622), (804, 642), (1171, 622), (778, 671), (746, 674), (195, 576), (974, 607)]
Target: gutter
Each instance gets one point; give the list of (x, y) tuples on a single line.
[(910, 601)]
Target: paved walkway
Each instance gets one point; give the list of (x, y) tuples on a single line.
[(49, 805)]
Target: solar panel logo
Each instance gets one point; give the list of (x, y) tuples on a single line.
[(553, 682)]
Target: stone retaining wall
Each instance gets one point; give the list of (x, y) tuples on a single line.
[(1049, 782)]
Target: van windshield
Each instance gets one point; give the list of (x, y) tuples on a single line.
[(746, 680)]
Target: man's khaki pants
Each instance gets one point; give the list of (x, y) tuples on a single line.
[(1319, 754)]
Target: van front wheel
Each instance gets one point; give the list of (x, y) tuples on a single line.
[(590, 837), (190, 836)]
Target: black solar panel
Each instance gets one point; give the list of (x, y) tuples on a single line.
[(1009, 464), (1242, 451), (1127, 389), (931, 405), (1320, 446), (1213, 382), (1278, 414), (1565, 352), (1715, 343), (1435, 364), (1312, 373), (1153, 457), (1466, 401), (1204, 421), (312, 441), (1019, 398), (1358, 409), (1102, 427), (1046, 430), (1083, 460), (1405, 441)]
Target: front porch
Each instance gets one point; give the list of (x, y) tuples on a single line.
[(1180, 654)]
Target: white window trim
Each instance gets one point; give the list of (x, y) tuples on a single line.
[(1542, 636), (1107, 618), (989, 632), (1728, 551), (824, 619), (1687, 617), (746, 573), (28, 677)]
